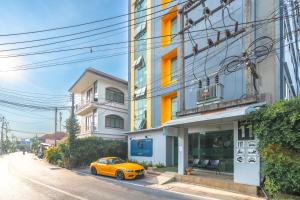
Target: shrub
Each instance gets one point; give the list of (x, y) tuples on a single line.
[(89, 149), (86, 151), (278, 129), (160, 165), (52, 155)]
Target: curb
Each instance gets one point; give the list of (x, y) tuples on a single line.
[(153, 172)]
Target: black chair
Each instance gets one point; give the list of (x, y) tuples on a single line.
[(195, 163), (214, 164), (204, 163)]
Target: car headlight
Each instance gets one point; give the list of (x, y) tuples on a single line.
[(128, 170)]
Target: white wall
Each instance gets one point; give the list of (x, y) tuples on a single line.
[(104, 109), (159, 146), (105, 83), (245, 173), (102, 112)]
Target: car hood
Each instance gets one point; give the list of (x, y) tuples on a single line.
[(129, 166)]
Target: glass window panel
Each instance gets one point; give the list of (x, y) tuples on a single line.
[(114, 95), (173, 107), (173, 28), (212, 146), (173, 68), (114, 121)]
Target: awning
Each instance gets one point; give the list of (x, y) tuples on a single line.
[(226, 115)]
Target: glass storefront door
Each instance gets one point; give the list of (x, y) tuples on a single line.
[(211, 149)]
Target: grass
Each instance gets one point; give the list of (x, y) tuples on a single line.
[(166, 169), (286, 197)]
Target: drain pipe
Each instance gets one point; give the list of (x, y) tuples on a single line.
[(254, 13), (264, 192), (254, 81)]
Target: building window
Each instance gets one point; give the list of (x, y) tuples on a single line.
[(95, 120), (114, 121), (88, 122), (214, 147), (89, 95), (96, 90), (140, 57), (173, 107), (169, 68), (140, 107), (173, 28), (114, 95), (168, 107), (287, 93), (168, 26), (174, 69)]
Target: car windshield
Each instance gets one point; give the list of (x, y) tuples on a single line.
[(117, 161)]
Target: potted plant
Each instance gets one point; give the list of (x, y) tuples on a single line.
[(188, 171)]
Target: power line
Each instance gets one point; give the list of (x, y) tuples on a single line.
[(118, 43), (82, 32), (125, 52), (73, 61), (82, 24)]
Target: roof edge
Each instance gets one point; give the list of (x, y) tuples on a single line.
[(99, 73)]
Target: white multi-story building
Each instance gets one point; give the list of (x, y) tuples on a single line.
[(100, 105)]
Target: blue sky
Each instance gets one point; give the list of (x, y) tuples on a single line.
[(23, 16)]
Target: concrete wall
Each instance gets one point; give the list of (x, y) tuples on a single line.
[(234, 84), (110, 110), (245, 173), (159, 146), (104, 109)]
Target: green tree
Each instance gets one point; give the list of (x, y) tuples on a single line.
[(278, 129), (34, 145), (73, 129)]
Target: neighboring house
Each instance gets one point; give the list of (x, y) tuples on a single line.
[(51, 138), (191, 123), (101, 105)]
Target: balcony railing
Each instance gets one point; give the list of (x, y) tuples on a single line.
[(85, 107)]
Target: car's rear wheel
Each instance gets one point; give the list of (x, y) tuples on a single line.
[(119, 175), (93, 171)]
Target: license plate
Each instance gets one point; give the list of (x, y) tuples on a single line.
[(140, 173)]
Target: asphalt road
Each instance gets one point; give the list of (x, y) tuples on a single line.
[(23, 177)]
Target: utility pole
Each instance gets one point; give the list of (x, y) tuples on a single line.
[(60, 119), (2, 127), (6, 138), (181, 64), (72, 108), (249, 39), (55, 119)]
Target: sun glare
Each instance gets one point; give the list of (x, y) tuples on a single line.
[(6, 65)]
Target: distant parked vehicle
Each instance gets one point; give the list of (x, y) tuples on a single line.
[(116, 167)]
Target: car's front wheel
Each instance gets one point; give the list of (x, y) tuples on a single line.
[(119, 175), (93, 171)]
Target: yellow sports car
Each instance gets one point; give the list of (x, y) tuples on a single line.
[(116, 167)]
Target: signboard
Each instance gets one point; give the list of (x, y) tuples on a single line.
[(142, 147)]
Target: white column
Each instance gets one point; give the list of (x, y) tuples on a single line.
[(182, 150)]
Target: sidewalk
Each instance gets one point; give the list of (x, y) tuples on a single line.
[(197, 190), (165, 181)]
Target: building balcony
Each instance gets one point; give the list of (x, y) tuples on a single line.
[(85, 108)]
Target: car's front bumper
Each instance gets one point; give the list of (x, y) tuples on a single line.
[(133, 175)]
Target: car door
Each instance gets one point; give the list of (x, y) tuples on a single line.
[(101, 166), (110, 168)]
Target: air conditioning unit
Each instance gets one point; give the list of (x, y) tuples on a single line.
[(208, 94)]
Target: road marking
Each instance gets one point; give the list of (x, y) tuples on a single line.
[(53, 188), (11, 168), (149, 187)]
